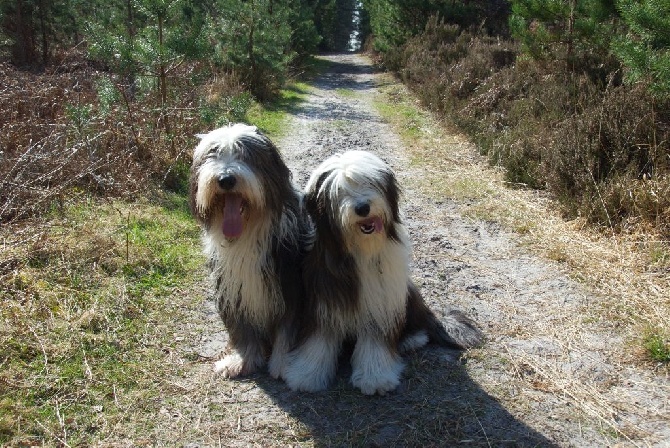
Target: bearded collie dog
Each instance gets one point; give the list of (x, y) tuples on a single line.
[(254, 234), (357, 282)]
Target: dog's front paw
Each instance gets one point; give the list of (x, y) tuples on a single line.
[(308, 375), (376, 368), (306, 378), (376, 384), (312, 366), (232, 366)]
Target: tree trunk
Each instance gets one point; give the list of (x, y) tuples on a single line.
[(45, 32), (250, 49), (162, 71)]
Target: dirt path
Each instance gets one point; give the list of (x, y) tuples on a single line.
[(550, 374)]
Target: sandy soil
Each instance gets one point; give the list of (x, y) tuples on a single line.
[(550, 373)]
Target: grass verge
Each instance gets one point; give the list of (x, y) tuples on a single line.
[(630, 271), (88, 304), (272, 118)]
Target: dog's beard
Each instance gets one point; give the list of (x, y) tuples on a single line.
[(365, 237)]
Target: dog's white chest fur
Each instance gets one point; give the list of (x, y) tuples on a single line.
[(383, 287), (244, 268)]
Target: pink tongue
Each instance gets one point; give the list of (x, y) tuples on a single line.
[(379, 225), (376, 221), (232, 216)]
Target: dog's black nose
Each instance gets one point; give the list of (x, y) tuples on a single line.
[(227, 181), (362, 209)]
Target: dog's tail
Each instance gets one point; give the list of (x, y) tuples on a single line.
[(456, 330)]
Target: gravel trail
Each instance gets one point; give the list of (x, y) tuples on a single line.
[(549, 375)]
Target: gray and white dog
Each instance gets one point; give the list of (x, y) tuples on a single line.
[(357, 282), (255, 231)]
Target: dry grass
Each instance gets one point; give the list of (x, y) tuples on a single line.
[(631, 270)]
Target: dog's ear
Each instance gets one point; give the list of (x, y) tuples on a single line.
[(310, 203), (312, 195), (193, 192), (392, 194)]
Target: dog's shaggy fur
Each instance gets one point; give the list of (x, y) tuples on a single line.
[(358, 282), (255, 230)]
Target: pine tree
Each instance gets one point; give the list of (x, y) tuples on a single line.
[(305, 38), (392, 22), (254, 39), (146, 40), (645, 49), (35, 29), (566, 30)]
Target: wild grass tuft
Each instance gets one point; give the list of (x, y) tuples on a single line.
[(657, 345)]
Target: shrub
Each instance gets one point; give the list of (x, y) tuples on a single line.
[(601, 148), (81, 131)]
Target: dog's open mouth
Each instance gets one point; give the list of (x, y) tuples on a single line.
[(233, 209), (371, 225)]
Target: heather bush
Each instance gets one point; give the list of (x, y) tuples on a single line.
[(612, 160), (597, 145)]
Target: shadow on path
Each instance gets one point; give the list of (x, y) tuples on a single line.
[(345, 75), (437, 404)]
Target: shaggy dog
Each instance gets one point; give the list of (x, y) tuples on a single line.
[(255, 230), (358, 283)]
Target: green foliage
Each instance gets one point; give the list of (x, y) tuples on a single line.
[(598, 146), (326, 23), (148, 41), (227, 109), (658, 346), (645, 48), (145, 42), (305, 37), (386, 24), (253, 38), (78, 116), (108, 94), (30, 30), (260, 40), (271, 117), (392, 22), (574, 32)]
